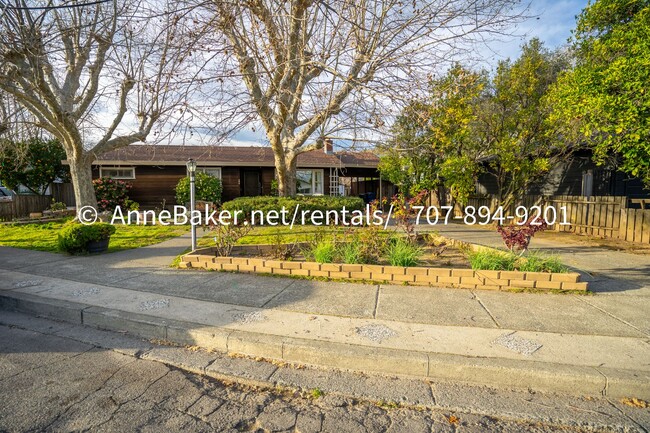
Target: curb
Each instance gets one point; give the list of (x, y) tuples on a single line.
[(499, 372)]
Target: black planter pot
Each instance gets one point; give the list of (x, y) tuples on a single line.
[(98, 246)]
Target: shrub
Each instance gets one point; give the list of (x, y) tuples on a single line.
[(517, 237), (131, 205), (206, 187), (311, 203), (74, 237), (281, 250), (372, 243), (57, 205), (111, 193), (403, 212), (226, 236), (401, 252), (324, 252)]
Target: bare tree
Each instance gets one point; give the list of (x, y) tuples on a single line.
[(97, 76), (314, 70)]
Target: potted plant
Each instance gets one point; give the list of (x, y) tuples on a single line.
[(77, 238)]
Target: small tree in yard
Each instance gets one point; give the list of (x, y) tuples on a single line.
[(514, 119), (70, 66), (34, 163)]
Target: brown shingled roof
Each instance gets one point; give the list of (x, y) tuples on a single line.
[(230, 156)]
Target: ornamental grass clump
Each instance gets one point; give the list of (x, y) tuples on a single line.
[(324, 252), (538, 262), (350, 253), (493, 260), (401, 252), (488, 260)]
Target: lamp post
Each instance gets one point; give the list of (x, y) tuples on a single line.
[(191, 168)]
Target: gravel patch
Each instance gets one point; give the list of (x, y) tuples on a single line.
[(517, 344), (85, 292), (376, 333), (249, 317), (154, 305), (27, 283)]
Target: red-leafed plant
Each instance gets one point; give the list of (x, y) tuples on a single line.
[(517, 237)]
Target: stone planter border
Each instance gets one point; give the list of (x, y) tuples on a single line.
[(420, 276)]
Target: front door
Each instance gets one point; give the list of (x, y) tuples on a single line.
[(251, 183)]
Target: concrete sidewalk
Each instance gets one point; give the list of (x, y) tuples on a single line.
[(582, 344)]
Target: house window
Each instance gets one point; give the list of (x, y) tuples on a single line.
[(310, 182), (212, 171), (117, 172)]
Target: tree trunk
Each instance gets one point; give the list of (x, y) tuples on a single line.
[(285, 172), (82, 182)]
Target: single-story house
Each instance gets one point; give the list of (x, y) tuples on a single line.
[(577, 175), (154, 171)]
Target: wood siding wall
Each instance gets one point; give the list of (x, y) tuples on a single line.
[(153, 184), (231, 181)]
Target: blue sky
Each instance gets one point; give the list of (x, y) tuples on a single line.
[(551, 22)]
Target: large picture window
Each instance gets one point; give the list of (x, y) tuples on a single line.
[(310, 182), (117, 172), (212, 171)]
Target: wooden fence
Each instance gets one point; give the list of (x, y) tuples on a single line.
[(603, 216), (22, 205), (63, 192)]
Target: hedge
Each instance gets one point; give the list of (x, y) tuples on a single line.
[(74, 237), (311, 203)]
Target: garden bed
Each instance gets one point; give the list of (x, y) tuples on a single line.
[(415, 275)]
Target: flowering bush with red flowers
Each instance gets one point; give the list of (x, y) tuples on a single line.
[(111, 193)]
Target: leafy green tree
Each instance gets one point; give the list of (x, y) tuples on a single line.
[(453, 112), (433, 143), (604, 101), (34, 163), (407, 159), (513, 120)]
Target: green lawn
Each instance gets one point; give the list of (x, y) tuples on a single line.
[(270, 235), (43, 236)]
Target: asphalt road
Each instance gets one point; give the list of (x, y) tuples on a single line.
[(50, 383)]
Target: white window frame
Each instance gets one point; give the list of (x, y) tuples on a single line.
[(313, 180), (206, 169), (102, 174)]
